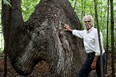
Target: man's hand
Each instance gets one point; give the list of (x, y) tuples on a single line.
[(67, 28), (93, 65)]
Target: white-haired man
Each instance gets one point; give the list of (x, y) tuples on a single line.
[(91, 45)]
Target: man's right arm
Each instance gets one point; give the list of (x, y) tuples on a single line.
[(75, 32)]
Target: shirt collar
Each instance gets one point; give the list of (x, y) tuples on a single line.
[(88, 31)]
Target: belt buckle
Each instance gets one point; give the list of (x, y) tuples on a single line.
[(91, 54)]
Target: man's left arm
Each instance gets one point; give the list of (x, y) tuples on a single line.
[(97, 50)]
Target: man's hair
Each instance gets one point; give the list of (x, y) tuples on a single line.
[(90, 18)]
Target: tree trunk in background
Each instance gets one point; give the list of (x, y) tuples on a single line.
[(112, 37), (42, 38), (6, 21)]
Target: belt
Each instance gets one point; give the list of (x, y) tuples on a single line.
[(91, 54)]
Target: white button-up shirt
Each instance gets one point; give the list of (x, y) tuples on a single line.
[(90, 40)]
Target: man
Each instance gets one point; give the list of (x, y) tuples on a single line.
[(91, 45)]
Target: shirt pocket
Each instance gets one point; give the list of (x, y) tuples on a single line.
[(91, 39)]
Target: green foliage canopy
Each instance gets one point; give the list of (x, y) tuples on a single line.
[(28, 7)]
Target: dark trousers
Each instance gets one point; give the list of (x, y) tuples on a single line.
[(86, 67)]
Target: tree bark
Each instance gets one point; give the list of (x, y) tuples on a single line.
[(42, 38)]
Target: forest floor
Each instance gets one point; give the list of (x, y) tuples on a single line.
[(41, 69)]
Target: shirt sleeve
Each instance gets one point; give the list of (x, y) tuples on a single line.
[(78, 33), (97, 45)]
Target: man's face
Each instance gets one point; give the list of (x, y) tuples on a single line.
[(87, 22)]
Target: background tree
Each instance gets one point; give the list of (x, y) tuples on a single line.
[(112, 36)]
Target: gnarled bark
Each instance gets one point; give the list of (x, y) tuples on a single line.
[(42, 38)]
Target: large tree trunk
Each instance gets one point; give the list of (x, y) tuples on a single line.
[(42, 38)]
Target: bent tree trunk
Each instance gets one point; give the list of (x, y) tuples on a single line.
[(42, 38)]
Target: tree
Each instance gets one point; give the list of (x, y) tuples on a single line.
[(42, 38)]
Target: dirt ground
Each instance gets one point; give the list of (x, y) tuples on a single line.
[(40, 69)]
